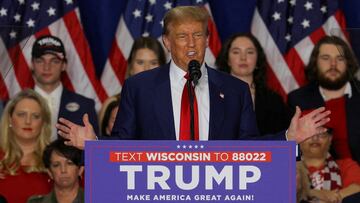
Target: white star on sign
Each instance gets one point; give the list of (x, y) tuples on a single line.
[(152, 2), (305, 23), (276, 16), (137, 13), (51, 11), (290, 20)]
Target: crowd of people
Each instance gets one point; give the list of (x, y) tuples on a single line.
[(43, 129)]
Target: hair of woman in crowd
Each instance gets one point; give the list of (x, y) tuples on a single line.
[(260, 70), (147, 43), (9, 146)]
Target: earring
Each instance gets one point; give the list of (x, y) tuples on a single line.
[(10, 126)]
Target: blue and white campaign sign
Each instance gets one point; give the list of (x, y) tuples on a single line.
[(190, 171)]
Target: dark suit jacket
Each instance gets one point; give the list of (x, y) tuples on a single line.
[(308, 97), (272, 114), (146, 112), (73, 106)]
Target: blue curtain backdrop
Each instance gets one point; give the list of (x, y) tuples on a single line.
[(100, 20)]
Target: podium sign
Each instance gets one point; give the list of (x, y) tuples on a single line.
[(190, 171)]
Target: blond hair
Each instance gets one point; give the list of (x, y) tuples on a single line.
[(11, 161), (183, 14)]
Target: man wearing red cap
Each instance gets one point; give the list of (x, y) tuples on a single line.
[(48, 62)]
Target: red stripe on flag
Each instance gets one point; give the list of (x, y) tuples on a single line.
[(296, 66), (65, 79), (339, 16), (21, 69), (118, 62), (44, 31), (4, 93), (274, 83), (214, 39), (317, 35), (75, 31)]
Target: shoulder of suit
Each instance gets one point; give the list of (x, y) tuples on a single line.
[(307, 89), (75, 96), (37, 199)]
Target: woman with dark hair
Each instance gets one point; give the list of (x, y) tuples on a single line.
[(146, 53), (243, 57), (108, 113), (63, 164)]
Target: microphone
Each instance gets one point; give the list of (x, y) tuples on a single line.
[(194, 71)]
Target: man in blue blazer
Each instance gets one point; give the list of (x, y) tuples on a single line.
[(331, 72), (48, 62), (150, 104)]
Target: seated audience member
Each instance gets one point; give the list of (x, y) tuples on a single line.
[(48, 63), (302, 183), (25, 132), (146, 53), (63, 164), (107, 115), (328, 179), (243, 57), (331, 71)]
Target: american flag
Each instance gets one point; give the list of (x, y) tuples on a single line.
[(144, 18), (21, 22), (288, 30)]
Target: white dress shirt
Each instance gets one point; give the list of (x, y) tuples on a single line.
[(177, 82), (53, 99)]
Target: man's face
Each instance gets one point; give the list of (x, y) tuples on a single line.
[(186, 41), (331, 64), (47, 69)]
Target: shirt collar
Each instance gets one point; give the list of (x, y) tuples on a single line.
[(178, 74), (56, 93), (348, 91)]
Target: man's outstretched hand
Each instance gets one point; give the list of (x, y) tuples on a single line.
[(302, 128), (74, 133)]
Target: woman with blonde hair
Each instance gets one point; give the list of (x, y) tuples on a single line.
[(25, 132)]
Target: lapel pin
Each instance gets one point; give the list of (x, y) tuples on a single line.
[(72, 106), (222, 95)]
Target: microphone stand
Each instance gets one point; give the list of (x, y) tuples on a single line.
[(191, 99)]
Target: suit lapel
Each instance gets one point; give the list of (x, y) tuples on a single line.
[(163, 103), (63, 101), (217, 106)]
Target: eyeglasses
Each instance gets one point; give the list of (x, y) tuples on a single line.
[(322, 135)]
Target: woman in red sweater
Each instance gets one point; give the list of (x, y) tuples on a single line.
[(25, 132)]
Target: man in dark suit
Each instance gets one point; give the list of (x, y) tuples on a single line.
[(48, 62), (151, 102), (331, 71)]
